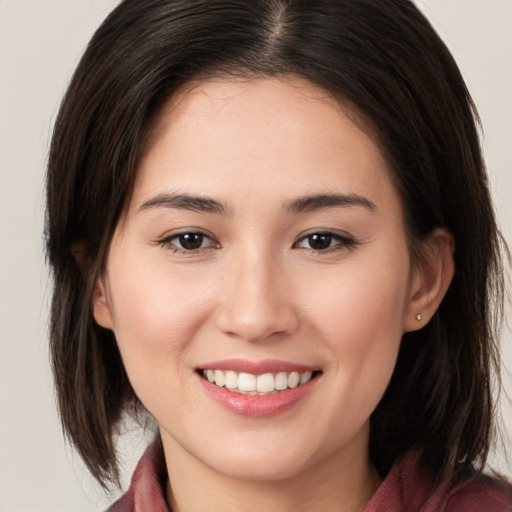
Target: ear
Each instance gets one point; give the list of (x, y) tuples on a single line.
[(79, 252), (430, 279), (100, 304)]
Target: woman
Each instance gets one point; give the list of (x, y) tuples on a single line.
[(269, 227)]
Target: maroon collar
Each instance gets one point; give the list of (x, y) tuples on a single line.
[(405, 489)]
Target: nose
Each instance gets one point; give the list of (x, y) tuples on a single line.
[(257, 302)]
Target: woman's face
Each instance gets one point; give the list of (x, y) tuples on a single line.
[(263, 248)]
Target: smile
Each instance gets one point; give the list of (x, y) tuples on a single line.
[(251, 384), (257, 389)]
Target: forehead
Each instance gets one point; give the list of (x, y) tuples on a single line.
[(265, 133)]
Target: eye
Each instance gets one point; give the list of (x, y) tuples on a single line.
[(187, 242), (324, 241)]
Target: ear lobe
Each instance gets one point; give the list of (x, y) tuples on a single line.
[(431, 280), (100, 305)]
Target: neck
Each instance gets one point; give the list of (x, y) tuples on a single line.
[(343, 482)]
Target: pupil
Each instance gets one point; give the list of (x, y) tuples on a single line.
[(191, 240), (320, 241)]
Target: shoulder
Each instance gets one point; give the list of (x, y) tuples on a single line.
[(409, 489), (479, 494)]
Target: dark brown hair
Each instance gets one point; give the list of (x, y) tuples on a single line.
[(380, 57)]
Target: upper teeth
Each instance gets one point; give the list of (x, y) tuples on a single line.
[(247, 383)]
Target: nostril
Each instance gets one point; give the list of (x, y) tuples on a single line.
[(257, 322)]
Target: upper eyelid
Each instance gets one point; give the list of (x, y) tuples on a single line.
[(333, 232), (341, 235), (345, 240), (166, 242), (186, 231), (167, 239)]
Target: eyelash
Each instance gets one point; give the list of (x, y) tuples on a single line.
[(342, 242), (168, 242)]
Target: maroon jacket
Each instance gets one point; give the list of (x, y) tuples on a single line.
[(405, 489)]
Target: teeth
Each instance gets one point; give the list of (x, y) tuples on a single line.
[(304, 377), (249, 384), (231, 380), (220, 378), (281, 381), (265, 383), (293, 380), (246, 382)]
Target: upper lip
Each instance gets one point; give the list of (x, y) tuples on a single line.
[(257, 367)]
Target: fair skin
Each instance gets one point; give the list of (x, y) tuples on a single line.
[(264, 236)]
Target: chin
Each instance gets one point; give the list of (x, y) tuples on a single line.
[(264, 458), (260, 467)]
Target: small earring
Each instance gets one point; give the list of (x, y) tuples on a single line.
[(419, 317)]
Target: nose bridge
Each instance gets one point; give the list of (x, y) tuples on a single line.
[(256, 303)]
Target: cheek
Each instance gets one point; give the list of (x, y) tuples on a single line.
[(155, 316), (361, 317), (361, 300), (361, 323), (151, 303)]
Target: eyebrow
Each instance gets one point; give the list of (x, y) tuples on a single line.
[(304, 204), (322, 201), (185, 202)]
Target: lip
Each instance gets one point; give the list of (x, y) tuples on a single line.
[(257, 406), (257, 367)]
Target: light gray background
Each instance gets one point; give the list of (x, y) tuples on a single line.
[(40, 43)]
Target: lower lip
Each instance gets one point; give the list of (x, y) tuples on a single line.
[(257, 406)]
